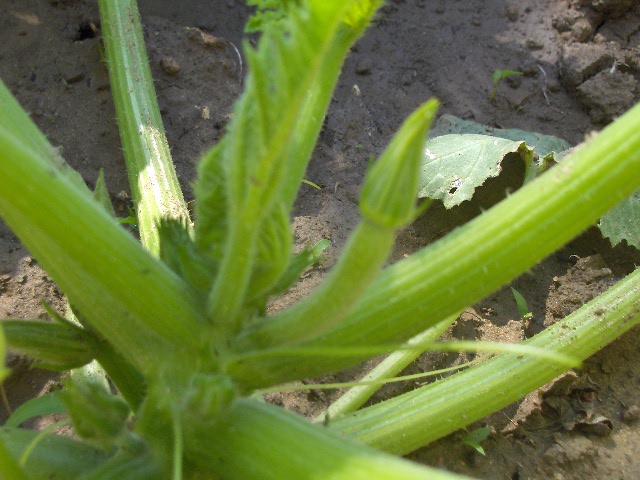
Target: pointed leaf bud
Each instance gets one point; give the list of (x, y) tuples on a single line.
[(390, 190)]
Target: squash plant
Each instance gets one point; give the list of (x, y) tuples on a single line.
[(177, 323)]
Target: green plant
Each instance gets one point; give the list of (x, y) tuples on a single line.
[(498, 77), (180, 327), (521, 303), (476, 436)]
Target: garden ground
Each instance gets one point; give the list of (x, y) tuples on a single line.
[(581, 66)]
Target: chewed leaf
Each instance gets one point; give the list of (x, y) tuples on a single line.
[(455, 165), (623, 222), (543, 144)]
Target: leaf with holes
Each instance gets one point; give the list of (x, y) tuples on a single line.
[(455, 165)]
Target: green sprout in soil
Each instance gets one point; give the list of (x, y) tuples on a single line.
[(498, 77), (475, 437), (171, 345), (521, 303)]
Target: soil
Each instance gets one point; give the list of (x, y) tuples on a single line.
[(581, 66)]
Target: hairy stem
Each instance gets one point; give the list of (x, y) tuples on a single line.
[(103, 270), (249, 431), (412, 420), (477, 258), (154, 183)]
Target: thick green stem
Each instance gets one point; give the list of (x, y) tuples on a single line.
[(103, 270), (505, 241), (262, 442), (479, 257), (412, 420), (154, 183)]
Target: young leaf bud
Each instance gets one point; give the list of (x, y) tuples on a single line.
[(390, 188), (97, 415)]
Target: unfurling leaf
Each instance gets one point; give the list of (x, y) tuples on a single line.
[(180, 253), (97, 415), (476, 436), (272, 257), (389, 192)]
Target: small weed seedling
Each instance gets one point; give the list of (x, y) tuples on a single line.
[(497, 78), (523, 308)]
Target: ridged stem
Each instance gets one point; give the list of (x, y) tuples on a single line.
[(407, 422), (262, 442), (477, 258), (103, 270), (154, 184)]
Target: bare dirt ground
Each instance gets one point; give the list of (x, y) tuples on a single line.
[(581, 65)]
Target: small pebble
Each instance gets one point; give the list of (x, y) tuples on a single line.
[(631, 414), (476, 20), (201, 38), (534, 44), (169, 65), (582, 30), (408, 77)]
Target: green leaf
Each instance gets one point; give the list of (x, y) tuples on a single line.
[(211, 205), (476, 436), (623, 222), (497, 78), (102, 194), (124, 466), (523, 308), (299, 263), (54, 457), (9, 467), (262, 160), (97, 415), (273, 253), (269, 14), (180, 253), (543, 144), (499, 75), (43, 405), (455, 165)]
